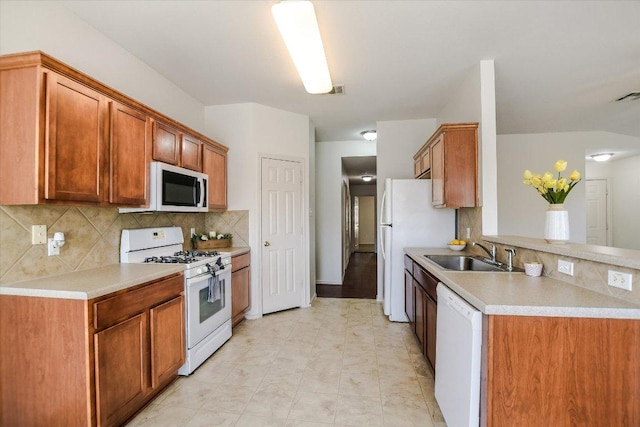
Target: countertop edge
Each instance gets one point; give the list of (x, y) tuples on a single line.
[(449, 279), (118, 280)]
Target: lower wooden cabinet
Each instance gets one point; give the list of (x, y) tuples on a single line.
[(89, 363), (421, 307), (121, 364), (240, 287)]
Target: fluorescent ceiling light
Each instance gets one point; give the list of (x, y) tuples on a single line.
[(296, 20), (369, 135), (602, 157), (367, 178)]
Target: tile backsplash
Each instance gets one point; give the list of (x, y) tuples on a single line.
[(92, 236)]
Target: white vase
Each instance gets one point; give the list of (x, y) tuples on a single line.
[(556, 225)]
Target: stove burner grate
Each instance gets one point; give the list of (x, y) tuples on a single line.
[(176, 259)]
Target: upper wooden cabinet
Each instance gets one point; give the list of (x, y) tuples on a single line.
[(176, 148), (422, 163), (452, 165), (130, 148), (191, 154), (75, 143), (166, 144), (66, 138), (214, 164)]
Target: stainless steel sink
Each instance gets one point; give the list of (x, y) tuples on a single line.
[(467, 263)]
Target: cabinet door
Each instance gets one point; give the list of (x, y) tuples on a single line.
[(409, 297), (214, 164), (431, 316), (437, 172), (191, 156), (421, 319), (130, 150), (240, 294), (75, 141), (166, 144), (167, 340), (121, 369)]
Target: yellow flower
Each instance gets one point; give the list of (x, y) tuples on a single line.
[(553, 188), (560, 165), (562, 182)]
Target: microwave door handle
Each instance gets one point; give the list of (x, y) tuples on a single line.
[(197, 195), (203, 183)]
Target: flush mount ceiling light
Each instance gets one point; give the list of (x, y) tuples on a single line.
[(367, 178), (601, 157), (296, 20), (369, 135)]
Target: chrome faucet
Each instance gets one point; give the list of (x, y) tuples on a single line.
[(510, 254), (491, 253)]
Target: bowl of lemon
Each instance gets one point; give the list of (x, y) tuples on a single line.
[(457, 245)]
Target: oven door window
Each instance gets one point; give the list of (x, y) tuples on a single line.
[(210, 309)]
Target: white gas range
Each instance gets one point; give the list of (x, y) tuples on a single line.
[(207, 286)]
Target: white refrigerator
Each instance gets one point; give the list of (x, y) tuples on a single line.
[(408, 219)]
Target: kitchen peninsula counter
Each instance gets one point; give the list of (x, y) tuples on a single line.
[(520, 295), (92, 283)]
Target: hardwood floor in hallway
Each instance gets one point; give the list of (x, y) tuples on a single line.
[(360, 280)]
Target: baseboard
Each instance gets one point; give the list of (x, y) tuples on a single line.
[(324, 282)]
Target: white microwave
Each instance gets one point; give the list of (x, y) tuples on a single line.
[(175, 189)]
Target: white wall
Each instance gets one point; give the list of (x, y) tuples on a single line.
[(251, 130), (521, 209), (50, 27), (398, 141), (623, 179), (474, 100), (329, 204)]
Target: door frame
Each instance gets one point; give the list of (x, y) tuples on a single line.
[(608, 207), (306, 299)]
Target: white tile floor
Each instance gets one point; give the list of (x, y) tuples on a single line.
[(339, 362)]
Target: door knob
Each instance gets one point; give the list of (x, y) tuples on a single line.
[(267, 243)]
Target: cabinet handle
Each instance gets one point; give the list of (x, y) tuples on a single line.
[(267, 243)]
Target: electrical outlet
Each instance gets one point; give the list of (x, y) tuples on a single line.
[(468, 233), (38, 234), (193, 231), (565, 267), (619, 280)]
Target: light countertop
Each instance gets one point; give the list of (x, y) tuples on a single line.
[(521, 295), (236, 250), (88, 284)]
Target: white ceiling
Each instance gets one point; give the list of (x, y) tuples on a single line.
[(356, 167), (559, 64)]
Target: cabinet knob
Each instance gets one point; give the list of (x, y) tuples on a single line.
[(267, 243)]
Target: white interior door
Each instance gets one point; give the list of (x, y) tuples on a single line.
[(356, 222), (596, 195), (282, 251)]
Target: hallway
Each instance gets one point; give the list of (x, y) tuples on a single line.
[(360, 280)]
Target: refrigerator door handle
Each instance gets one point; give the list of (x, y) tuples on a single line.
[(382, 218), (381, 237)]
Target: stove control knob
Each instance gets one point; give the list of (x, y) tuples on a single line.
[(199, 271)]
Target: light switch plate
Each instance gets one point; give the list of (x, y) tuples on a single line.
[(565, 267), (619, 280), (38, 234)]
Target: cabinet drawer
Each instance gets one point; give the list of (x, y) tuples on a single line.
[(240, 262), (408, 263), (113, 310), (426, 281)]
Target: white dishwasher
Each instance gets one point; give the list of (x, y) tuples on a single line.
[(458, 357)]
